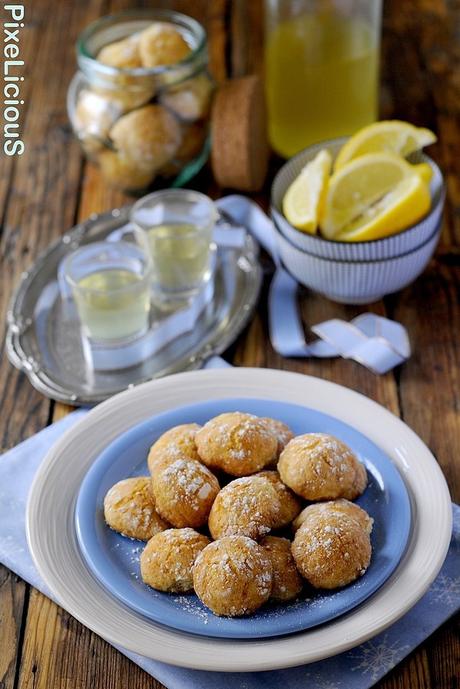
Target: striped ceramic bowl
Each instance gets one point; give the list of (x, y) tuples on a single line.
[(355, 272), (396, 245), (356, 282)]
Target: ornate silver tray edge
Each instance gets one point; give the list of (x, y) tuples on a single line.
[(18, 324)]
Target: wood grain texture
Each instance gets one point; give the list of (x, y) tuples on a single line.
[(59, 652), (12, 599), (33, 191), (50, 188)]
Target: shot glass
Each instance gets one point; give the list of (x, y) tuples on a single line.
[(110, 283), (178, 224)]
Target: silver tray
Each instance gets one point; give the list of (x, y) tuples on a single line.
[(52, 357)]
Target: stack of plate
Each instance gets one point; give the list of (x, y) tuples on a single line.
[(93, 573)]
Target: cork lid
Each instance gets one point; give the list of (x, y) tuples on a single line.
[(239, 151)]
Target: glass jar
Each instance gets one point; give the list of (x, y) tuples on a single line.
[(140, 103), (321, 60)]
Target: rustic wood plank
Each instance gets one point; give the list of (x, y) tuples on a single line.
[(443, 653), (12, 598), (42, 203), (420, 68), (28, 222), (247, 27), (60, 653), (28, 44), (430, 380)]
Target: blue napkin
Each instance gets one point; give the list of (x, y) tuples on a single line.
[(359, 668)]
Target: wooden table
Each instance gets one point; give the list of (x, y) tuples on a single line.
[(50, 187)]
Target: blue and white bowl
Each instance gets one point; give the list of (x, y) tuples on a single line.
[(355, 272)]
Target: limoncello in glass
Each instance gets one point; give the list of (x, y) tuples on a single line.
[(180, 256), (113, 304), (321, 60), (110, 285), (178, 224)]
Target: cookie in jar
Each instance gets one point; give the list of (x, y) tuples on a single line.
[(140, 102)]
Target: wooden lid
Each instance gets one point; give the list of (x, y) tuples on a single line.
[(239, 152)]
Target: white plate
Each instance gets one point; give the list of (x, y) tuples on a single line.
[(53, 544)]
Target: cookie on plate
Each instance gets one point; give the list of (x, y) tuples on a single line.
[(331, 549), (168, 558), (184, 492), (248, 506), (318, 466), (233, 576), (176, 443), (287, 582), (129, 508), (237, 443), (290, 504), (342, 506)]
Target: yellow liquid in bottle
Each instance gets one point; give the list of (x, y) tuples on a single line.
[(321, 80), (180, 256), (113, 304)]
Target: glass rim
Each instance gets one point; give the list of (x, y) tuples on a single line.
[(162, 14), (174, 193), (146, 275)]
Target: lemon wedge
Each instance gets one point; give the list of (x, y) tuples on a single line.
[(305, 196), (424, 171), (386, 136), (359, 185), (396, 211)]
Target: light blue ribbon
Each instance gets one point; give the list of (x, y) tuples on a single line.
[(373, 341)]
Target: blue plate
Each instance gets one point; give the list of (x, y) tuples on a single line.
[(114, 560)]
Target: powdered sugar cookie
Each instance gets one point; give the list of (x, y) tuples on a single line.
[(290, 504), (282, 432), (123, 173), (248, 506), (318, 466), (233, 576), (177, 443), (122, 54), (331, 549), (184, 492), (162, 44), (287, 582), (149, 136), (129, 508), (190, 100), (168, 559), (341, 506), (237, 443)]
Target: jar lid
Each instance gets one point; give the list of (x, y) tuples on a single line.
[(240, 150)]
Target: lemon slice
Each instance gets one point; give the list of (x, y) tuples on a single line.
[(396, 211), (424, 171), (359, 185), (305, 196), (388, 135)]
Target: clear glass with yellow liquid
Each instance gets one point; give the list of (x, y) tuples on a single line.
[(113, 305), (110, 284), (180, 257), (321, 62), (178, 224)]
